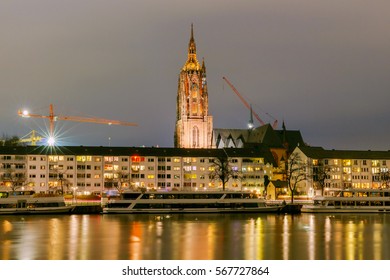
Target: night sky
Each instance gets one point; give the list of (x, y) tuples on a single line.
[(321, 66)]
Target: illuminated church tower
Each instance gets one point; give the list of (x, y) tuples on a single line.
[(194, 125)]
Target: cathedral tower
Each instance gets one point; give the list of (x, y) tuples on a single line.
[(194, 125)]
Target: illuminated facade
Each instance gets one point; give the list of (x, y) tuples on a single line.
[(345, 169), (194, 125), (99, 169)]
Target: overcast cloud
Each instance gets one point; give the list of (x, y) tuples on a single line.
[(321, 66)]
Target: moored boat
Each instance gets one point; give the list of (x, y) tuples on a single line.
[(291, 208), (351, 201), (189, 202), (29, 202)]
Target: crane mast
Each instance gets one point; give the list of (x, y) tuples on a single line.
[(247, 105)]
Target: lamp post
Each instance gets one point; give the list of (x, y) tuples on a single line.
[(74, 194), (61, 177)]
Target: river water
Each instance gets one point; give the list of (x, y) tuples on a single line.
[(196, 237)]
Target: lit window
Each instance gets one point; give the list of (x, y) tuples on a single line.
[(83, 158), (56, 158), (108, 167), (187, 168), (135, 159), (347, 162)]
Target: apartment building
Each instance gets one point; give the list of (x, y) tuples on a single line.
[(100, 169), (344, 169)]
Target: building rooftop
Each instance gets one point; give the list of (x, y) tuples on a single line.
[(264, 134), (321, 153)]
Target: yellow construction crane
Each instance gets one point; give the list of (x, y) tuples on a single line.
[(53, 118), (31, 137)]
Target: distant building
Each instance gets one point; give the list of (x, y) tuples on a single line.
[(276, 189), (280, 142), (345, 169), (194, 125)]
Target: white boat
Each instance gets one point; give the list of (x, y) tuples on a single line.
[(351, 201), (188, 202), (29, 202)]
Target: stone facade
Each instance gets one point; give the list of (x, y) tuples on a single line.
[(194, 125)]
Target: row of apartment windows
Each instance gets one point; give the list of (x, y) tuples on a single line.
[(360, 177), (10, 166), (349, 170), (353, 177), (17, 158), (56, 158), (142, 184), (79, 184), (133, 176), (134, 168), (347, 185), (348, 162)]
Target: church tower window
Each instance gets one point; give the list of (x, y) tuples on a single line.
[(195, 137)]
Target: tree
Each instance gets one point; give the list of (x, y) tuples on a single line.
[(13, 179), (10, 141), (57, 179), (266, 183), (321, 172), (60, 179), (122, 178), (116, 180), (296, 172), (383, 177), (223, 171)]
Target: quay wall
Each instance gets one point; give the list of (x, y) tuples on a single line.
[(87, 209)]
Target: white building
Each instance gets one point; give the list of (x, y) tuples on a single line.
[(345, 169), (99, 169)]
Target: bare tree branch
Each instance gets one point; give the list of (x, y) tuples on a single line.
[(223, 171), (296, 172)]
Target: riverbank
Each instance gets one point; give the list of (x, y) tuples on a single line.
[(87, 209)]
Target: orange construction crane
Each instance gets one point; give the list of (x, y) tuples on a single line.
[(53, 118), (247, 105)]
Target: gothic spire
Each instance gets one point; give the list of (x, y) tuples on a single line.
[(203, 66), (284, 135), (192, 63), (250, 123), (191, 44)]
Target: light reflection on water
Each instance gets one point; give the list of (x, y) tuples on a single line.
[(196, 236)]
